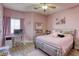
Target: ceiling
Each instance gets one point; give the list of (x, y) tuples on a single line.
[(28, 7)]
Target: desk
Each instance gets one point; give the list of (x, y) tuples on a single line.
[(10, 40)]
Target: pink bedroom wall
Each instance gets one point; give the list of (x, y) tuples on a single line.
[(29, 19), (1, 28), (72, 19), (28, 25), (40, 18)]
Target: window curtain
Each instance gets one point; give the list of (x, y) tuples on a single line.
[(6, 25), (6, 28)]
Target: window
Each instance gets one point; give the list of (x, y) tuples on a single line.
[(15, 24)]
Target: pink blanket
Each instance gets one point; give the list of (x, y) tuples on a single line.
[(63, 43)]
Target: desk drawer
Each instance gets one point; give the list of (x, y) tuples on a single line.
[(9, 38), (8, 43)]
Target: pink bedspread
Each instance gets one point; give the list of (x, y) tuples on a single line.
[(63, 43)]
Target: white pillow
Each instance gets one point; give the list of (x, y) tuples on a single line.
[(54, 33)]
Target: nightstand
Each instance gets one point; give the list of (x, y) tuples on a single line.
[(38, 33), (76, 44), (47, 32)]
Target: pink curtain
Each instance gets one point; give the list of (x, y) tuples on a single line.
[(6, 28), (6, 25)]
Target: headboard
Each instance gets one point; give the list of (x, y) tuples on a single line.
[(67, 31)]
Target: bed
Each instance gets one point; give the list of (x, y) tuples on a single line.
[(54, 46)]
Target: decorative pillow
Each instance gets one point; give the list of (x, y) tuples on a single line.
[(61, 35), (55, 34)]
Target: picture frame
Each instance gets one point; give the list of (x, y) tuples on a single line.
[(38, 26), (60, 21)]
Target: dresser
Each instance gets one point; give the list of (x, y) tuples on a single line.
[(76, 40)]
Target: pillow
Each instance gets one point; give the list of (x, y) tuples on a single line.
[(54, 33), (67, 32), (61, 35)]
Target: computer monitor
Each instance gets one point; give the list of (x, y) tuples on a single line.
[(18, 31)]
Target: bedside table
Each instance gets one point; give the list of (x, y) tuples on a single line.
[(76, 45), (38, 33), (47, 32)]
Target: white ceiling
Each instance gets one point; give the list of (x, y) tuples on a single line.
[(28, 7)]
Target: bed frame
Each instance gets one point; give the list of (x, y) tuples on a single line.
[(51, 50)]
